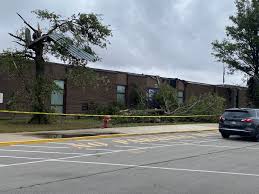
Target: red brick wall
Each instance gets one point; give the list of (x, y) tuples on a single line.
[(91, 95), (197, 90), (105, 92)]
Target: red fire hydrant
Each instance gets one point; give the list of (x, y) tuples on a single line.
[(106, 120)]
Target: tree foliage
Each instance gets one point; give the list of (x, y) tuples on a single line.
[(206, 104), (138, 97), (240, 49), (85, 31), (167, 98)]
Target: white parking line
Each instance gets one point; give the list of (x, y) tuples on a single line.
[(117, 151), (42, 152), (97, 149), (60, 143), (92, 149), (33, 146), (79, 155), (160, 168), (180, 143), (203, 145), (21, 157), (206, 141), (251, 148), (121, 146), (84, 155), (192, 144), (25, 163)]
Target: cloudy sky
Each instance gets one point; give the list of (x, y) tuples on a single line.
[(170, 38)]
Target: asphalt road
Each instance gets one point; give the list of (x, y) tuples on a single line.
[(174, 163)]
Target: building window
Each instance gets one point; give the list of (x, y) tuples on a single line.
[(57, 97), (180, 97), (151, 92), (121, 95)]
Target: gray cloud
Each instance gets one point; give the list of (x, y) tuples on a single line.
[(169, 38)]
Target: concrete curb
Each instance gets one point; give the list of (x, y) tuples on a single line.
[(94, 137)]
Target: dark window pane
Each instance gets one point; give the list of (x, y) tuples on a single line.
[(236, 114)]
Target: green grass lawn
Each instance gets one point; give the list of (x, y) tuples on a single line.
[(21, 125)]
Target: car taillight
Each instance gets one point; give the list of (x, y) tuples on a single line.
[(247, 120), (221, 118)]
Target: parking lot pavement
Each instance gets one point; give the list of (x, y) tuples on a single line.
[(169, 163)]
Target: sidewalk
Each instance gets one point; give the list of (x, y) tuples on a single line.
[(108, 132)]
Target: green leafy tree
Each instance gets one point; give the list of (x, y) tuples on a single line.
[(138, 97), (206, 104), (240, 49), (167, 98), (85, 31)]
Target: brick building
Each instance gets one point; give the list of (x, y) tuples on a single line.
[(118, 88)]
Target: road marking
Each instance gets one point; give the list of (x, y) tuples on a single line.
[(24, 163), (97, 149), (192, 144), (59, 143), (120, 146), (21, 157), (253, 148), (146, 139), (126, 141), (179, 143), (160, 168), (137, 152), (32, 146), (200, 135), (43, 152), (77, 145), (213, 140), (203, 145), (87, 155), (84, 145), (117, 151), (121, 141)]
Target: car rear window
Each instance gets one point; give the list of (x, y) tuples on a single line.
[(236, 114)]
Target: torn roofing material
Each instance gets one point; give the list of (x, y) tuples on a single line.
[(73, 50)]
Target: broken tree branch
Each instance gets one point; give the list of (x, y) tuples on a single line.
[(20, 74), (20, 43), (27, 23), (17, 37)]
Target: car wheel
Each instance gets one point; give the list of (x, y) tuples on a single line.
[(225, 135)]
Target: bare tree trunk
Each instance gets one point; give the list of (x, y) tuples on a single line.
[(38, 101)]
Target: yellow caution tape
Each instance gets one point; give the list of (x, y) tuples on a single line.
[(113, 116)]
